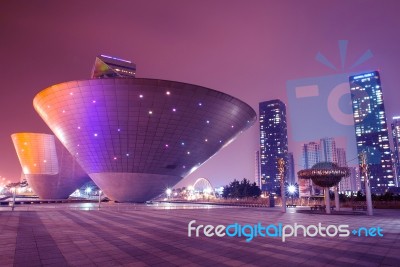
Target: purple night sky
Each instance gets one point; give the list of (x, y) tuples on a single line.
[(248, 49)]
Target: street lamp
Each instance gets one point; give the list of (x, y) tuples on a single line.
[(281, 169), (99, 198), (88, 190), (364, 170), (292, 191), (168, 192), (14, 191)]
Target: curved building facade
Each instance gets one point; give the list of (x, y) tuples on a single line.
[(135, 136), (49, 168)]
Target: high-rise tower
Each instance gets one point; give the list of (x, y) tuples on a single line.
[(396, 144), (371, 129), (291, 177), (328, 150), (311, 154), (273, 142)]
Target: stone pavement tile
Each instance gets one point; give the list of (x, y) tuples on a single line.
[(108, 263), (54, 262), (101, 259), (391, 261), (233, 263), (27, 262), (46, 255), (81, 263), (134, 264), (166, 264)]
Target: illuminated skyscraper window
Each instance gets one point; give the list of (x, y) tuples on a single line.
[(112, 67), (371, 129), (273, 142)]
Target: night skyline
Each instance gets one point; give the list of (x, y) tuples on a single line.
[(242, 49)]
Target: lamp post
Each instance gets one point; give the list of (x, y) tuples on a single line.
[(337, 202), (364, 169), (87, 191), (99, 198), (281, 169), (14, 190)]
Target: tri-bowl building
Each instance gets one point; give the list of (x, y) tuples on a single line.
[(49, 168), (135, 137)]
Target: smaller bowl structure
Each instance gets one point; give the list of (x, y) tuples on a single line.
[(324, 174), (49, 168)]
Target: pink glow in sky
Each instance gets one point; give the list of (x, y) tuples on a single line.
[(248, 49)]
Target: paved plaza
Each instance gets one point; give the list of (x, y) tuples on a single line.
[(157, 235)]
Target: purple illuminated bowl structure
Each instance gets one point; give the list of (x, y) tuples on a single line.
[(135, 137)]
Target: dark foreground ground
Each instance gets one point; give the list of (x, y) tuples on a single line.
[(157, 235)]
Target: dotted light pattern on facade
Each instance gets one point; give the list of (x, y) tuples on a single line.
[(135, 136)]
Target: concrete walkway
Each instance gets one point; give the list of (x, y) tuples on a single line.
[(157, 235)]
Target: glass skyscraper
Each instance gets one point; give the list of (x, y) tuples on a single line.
[(273, 142), (291, 177), (328, 150), (371, 129), (396, 144)]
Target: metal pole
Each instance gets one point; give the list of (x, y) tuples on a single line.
[(337, 203), (281, 168), (14, 193), (364, 167), (99, 198), (327, 201)]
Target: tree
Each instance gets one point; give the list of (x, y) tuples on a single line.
[(241, 189)]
